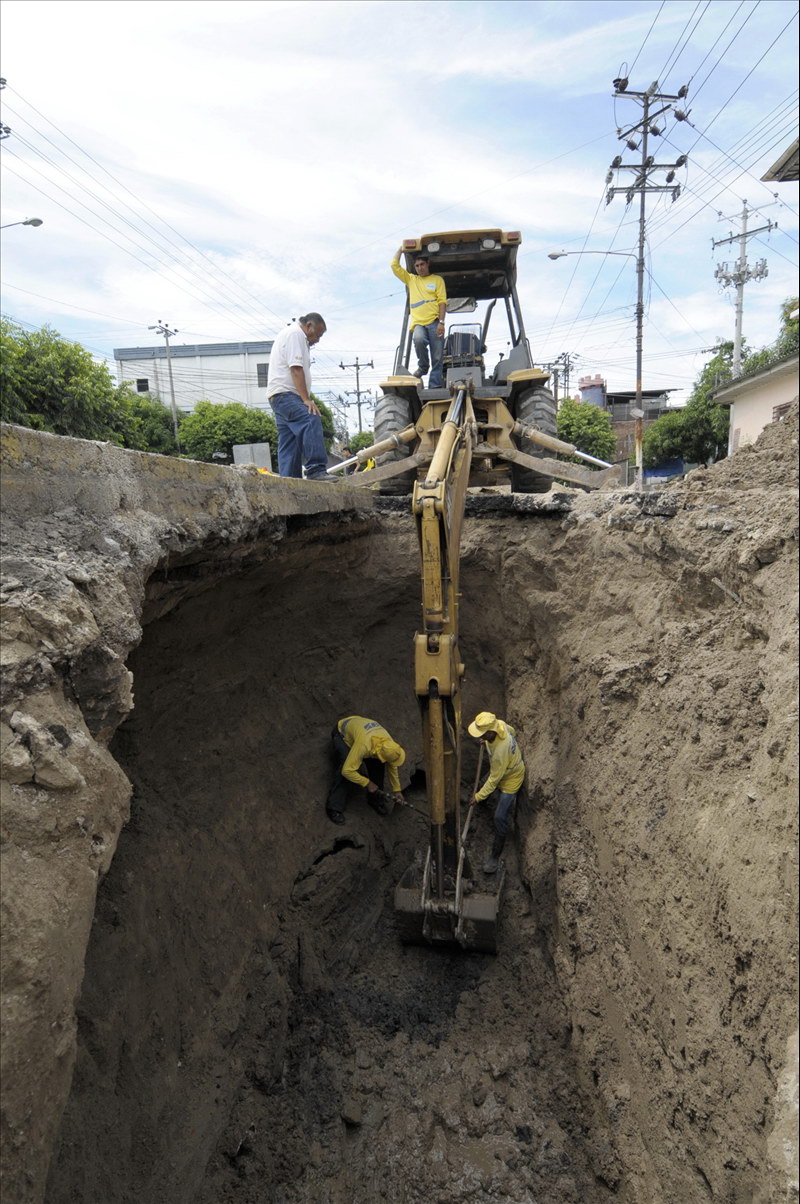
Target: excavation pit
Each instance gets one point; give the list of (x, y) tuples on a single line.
[(249, 1026)]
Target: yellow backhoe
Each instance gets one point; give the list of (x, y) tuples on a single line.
[(462, 435)]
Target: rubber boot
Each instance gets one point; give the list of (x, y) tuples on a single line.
[(493, 860)]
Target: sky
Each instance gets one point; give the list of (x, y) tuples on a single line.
[(225, 168)]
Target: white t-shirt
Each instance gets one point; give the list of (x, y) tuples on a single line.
[(290, 350)]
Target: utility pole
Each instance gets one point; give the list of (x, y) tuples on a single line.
[(740, 275), (565, 359), (358, 390), (644, 169), (167, 333), (4, 129), (561, 368)]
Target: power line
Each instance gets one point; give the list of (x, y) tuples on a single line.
[(150, 266), (675, 53), (220, 271), (629, 71), (696, 91), (744, 81)]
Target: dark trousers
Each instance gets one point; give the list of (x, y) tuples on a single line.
[(372, 769)]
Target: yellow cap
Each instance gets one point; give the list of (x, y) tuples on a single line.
[(391, 752), (485, 722)]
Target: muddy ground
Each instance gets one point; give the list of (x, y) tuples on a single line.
[(249, 1027)]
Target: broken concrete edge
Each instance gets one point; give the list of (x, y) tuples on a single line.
[(45, 472)]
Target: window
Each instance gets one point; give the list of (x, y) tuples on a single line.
[(262, 370), (142, 385), (780, 411)]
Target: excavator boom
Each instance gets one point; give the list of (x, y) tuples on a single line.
[(438, 904)]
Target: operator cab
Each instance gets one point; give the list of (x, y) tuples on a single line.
[(476, 265)]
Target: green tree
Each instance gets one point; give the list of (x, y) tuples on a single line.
[(51, 384), (698, 433), (587, 427), (784, 346), (143, 422), (210, 431), (362, 439), (328, 431)]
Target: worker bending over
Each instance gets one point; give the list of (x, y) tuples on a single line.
[(506, 774), (360, 743)]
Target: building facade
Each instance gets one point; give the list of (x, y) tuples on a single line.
[(618, 404), (216, 372), (758, 399)]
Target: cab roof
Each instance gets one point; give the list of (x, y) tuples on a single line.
[(473, 263)]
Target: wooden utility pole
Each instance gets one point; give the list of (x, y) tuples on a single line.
[(167, 333), (644, 130), (358, 390)]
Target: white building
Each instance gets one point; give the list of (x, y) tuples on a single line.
[(758, 399), (216, 372)]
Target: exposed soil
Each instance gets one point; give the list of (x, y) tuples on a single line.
[(251, 1030)]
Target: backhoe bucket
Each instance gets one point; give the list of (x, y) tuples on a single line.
[(468, 918)]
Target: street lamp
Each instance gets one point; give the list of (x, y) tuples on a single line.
[(637, 411), (29, 221)]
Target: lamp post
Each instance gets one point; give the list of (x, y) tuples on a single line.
[(638, 410), (29, 221)]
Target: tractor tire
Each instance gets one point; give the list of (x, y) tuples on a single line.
[(393, 414), (536, 407)]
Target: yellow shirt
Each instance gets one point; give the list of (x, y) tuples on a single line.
[(507, 766), (366, 738), (425, 295)]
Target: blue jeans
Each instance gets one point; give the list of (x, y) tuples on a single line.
[(300, 438), (426, 337), (502, 814)]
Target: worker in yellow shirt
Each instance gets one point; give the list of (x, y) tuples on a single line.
[(363, 744), (427, 299), (506, 774)]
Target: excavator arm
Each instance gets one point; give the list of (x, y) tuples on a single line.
[(436, 902), (438, 507)]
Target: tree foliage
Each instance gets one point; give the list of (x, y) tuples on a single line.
[(587, 427), (144, 422), (785, 345), (51, 384), (210, 431), (698, 433), (361, 440), (328, 431)]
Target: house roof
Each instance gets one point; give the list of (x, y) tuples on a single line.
[(785, 168), (728, 393), (191, 349)]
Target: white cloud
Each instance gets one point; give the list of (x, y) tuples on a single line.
[(295, 144)]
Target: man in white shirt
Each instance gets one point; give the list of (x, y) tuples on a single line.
[(300, 440)]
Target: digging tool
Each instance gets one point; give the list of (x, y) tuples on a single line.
[(402, 802)]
